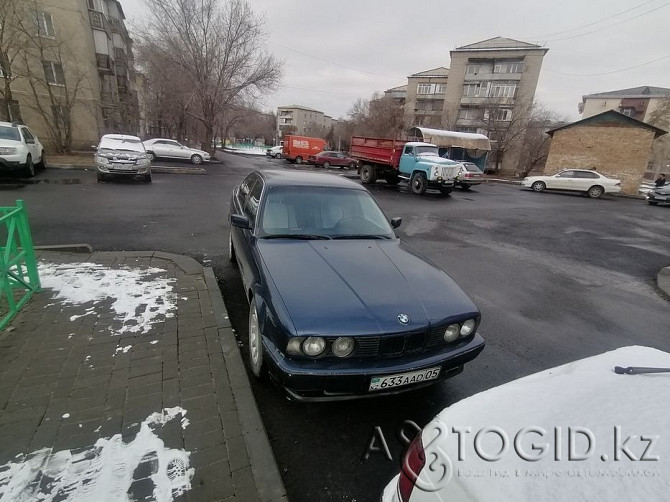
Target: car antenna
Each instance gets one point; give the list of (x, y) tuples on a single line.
[(636, 370)]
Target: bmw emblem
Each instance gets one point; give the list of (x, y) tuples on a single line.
[(403, 318)]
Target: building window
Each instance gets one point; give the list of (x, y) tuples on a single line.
[(466, 129), (469, 113), (508, 67), (502, 90), (471, 90), (44, 24), (471, 69), (53, 73), (440, 88), (503, 114), (99, 6), (424, 89), (628, 111)]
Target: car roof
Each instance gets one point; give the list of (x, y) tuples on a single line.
[(10, 124), (298, 178), (160, 139), (120, 136)]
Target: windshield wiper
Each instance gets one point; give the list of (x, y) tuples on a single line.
[(361, 236), (298, 236), (636, 370)]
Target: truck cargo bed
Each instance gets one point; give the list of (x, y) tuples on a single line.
[(377, 150)]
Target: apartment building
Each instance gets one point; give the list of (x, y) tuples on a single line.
[(70, 76), (637, 102), (295, 119), (488, 88)]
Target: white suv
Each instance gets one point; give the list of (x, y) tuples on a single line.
[(122, 155), (20, 150)]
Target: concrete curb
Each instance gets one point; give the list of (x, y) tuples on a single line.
[(157, 170), (263, 464), (66, 248), (663, 280)]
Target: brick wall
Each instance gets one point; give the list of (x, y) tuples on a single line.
[(616, 152)]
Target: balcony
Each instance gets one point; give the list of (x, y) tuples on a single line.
[(104, 63), (97, 20), (481, 100)]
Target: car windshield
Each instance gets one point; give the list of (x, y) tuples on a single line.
[(125, 144), (430, 151), (11, 133), (471, 167), (320, 212)]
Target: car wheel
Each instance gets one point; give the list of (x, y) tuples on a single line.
[(538, 186), (29, 169), (255, 342), (151, 156), (326, 165), (231, 250), (445, 190), (196, 159), (101, 178), (278, 156), (652, 203), (298, 160), (419, 183), (147, 178), (42, 164), (595, 192), (465, 186), (368, 174)]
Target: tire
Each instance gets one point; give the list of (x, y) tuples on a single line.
[(445, 190), (147, 178), (151, 156), (196, 159), (298, 160), (231, 250), (42, 164), (595, 192), (29, 168), (255, 342), (539, 186), (326, 165), (419, 183), (368, 174), (652, 203), (101, 178), (277, 155), (465, 186)]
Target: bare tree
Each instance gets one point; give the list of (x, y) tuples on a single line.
[(536, 141), (220, 47), (379, 116)]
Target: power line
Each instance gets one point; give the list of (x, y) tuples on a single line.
[(607, 72), (610, 26), (332, 63), (538, 37)]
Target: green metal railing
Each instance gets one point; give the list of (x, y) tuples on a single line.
[(18, 267)]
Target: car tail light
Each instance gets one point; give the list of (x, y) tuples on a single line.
[(468, 175), (413, 463)]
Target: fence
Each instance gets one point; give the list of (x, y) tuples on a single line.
[(18, 268)]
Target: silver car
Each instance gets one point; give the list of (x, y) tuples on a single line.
[(469, 175), (121, 155), (161, 148)]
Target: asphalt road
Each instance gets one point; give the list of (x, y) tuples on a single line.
[(557, 278)]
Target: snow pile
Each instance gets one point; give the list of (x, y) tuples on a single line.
[(103, 471), (255, 150), (140, 297)]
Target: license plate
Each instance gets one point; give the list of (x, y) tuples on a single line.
[(401, 379), (122, 167)]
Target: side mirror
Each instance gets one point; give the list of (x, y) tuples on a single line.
[(396, 222), (237, 220)]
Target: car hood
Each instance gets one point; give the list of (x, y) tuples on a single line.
[(119, 154), (359, 286), (437, 160)]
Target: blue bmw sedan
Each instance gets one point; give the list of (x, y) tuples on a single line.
[(340, 307)]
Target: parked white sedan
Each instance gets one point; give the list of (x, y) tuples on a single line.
[(574, 180), (161, 148), (593, 429)]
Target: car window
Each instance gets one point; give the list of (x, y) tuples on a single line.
[(11, 133), (245, 189), (566, 174), (174, 143), (471, 167), (254, 200), (409, 150), (586, 174), (27, 136), (324, 211)]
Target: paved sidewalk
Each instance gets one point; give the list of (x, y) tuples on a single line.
[(122, 380)]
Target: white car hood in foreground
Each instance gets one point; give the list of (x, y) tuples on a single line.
[(585, 395)]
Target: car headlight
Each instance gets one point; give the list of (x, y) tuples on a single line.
[(343, 346), (452, 332), (294, 346), (468, 327), (313, 345), (101, 160), (143, 160), (5, 150)]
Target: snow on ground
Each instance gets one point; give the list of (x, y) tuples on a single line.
[(103, 471), (256, 150), (140, 297)]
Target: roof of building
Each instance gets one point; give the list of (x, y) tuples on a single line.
[(496, 43), (397, 89), (644, 91), (300, 107), (611, 118), (435, 72)]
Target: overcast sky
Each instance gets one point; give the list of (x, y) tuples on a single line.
[(337, 51)]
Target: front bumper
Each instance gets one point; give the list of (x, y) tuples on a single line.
[(657, 197), (328, 380), (128, 170)]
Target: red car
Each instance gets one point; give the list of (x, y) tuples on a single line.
[(327, 159)]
